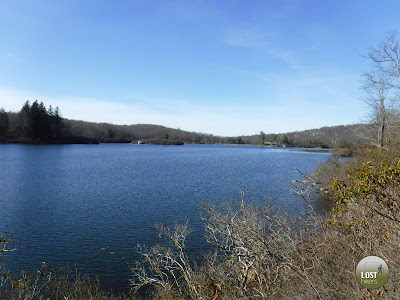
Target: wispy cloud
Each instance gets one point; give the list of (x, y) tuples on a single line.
[(246, 38), (9, 57), (295, 112), (258, 40)]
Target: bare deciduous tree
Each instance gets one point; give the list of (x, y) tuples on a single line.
[(381, 109), (382, 86), (167, 268)]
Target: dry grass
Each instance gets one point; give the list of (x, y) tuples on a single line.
[(46, 284)]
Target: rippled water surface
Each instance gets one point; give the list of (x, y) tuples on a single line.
[(87, 206)]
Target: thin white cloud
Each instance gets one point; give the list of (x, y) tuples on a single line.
[(295, 113), (254, 39), (245, 38), (10, 57)]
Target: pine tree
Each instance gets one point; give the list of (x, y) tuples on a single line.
[(35, 120), (50, 111), (57, 114), (56, 122), (25, 120), (4, 123), (262, 136)]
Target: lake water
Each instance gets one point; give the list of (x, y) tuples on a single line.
[(88, 206)]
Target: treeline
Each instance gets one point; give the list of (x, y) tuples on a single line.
[(325, 137), (36, 124), (33, 123), (110, 133)]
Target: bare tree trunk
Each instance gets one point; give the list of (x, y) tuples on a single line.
[(382, 117), (382, 86)]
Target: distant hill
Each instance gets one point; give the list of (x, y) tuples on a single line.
[(36, 124), (105, 132), (325, 137)]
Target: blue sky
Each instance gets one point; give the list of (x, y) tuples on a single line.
[(213, 66)]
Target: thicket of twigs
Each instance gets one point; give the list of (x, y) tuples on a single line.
[(263, 253)]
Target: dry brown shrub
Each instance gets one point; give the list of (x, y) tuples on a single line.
[(253, 244), (266, 254)]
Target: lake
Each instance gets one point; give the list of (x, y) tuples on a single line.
[(88, 206)]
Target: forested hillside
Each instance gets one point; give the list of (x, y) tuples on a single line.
[(325, 137), (105, 132), (35, 123)]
